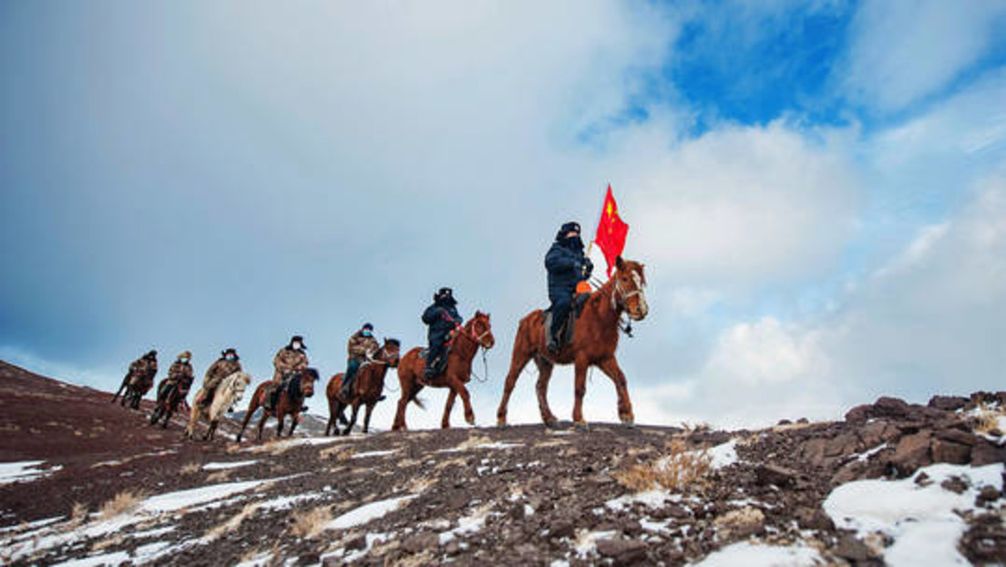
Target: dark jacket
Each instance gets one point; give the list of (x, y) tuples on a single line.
[(567, 266), (441, 318)]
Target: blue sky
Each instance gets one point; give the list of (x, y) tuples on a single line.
[(817, 189)]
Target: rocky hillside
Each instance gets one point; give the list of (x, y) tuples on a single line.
[(893, 482)]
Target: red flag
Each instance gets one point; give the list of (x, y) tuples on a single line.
[(611, 231)]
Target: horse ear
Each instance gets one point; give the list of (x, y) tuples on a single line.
[(619, 262)]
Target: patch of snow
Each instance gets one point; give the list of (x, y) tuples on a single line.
[(284, 502), (230, 465), (469, 524), (586, 542), (23, 471), (149, 551), (651, 526), (173, 501), (866, 455), (921, 519), (289, 443), (724, 454), (756, 555), (30, 525), (260, 560), (152, 533), (367, 512), (366, 454), (651, 498), (115, 558)]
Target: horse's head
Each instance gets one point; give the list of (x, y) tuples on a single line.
[(389, 352), (630, 286), (236, 384), (307, 379), (481, 330)]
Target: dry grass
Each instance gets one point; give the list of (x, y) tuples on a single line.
[(473, 441), (77, 514), (219, 476), (190, 468), (121, 503), (338, 452), (309, 523), (232, 523), (679, 469), (987, 420)]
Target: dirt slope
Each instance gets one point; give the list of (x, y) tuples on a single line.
[(523, 495)]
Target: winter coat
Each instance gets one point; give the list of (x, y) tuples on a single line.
[(288, 360), (143, 370), (567, 266), (181, 373), (219, 370), (361, 347), (441, 318)]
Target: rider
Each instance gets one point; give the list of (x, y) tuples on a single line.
[(567, 266), (227, 364), (142, 372), (361, 347), (442, 318), (289, 360), (180, 375)]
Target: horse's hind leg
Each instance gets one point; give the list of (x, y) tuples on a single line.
[(466, 400), (445, 423), (406, 387), (366, 417), (541, 389), (518, 360), (579, 389), (611, 369), (293, 423)]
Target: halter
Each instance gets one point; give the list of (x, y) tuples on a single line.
[(619, 296)]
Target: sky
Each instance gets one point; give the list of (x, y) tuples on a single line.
[(818, 189)]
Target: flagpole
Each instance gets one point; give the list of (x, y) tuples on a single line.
[(598, 222)]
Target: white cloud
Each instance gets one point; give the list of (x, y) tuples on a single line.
[(904, 50)]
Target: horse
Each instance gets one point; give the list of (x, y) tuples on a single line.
[(167, 403), (367, 389), (289, 402), (227, 395), (135, 388), (595, 339), (476, 333)]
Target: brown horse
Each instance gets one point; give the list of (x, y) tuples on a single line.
[(291, 399), (367, 389), (477, 332), (595, 339)]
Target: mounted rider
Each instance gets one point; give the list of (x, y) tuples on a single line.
[(361, 348), (289, 361), (567, 266), (142, 371), (227, 364), (180, 375), (442, 318)]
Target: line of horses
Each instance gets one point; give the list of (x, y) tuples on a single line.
[(594, 343)]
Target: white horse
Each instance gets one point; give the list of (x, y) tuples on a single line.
[(228, 394)]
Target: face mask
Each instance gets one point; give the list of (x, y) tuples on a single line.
[(366, 333), (183, 360), (297, 346), (231, 357)]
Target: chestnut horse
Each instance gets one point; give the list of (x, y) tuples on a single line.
[(477, 332), (290, 400), (595, 339), (367, 388)]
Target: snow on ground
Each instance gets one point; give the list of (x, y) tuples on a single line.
[(466, 447), (467, 525), (227, 465), (651, 498), (173, 501), (289, 443), (366, 454), (363, 514), (115, 558), (921, 519), (284, 502), (586, 541), (23, 471), (756, 555), (865, 456), (724, 454)]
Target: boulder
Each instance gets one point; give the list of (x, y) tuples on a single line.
[(944, 451), (851, 549), (420, 542), (622, 551), (947, 403), (912, 452), (813, 519), (775, 475), (987, 454), (740, 523)]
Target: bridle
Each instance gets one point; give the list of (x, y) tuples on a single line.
[(619, 295), (470, 333)]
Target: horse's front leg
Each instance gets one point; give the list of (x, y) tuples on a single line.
[(579, 389), (611, 369), (366, 417), (541, 389), (445, 423), (280, 416), (466, 399), (261, 423), (294, 418), (352, 419)]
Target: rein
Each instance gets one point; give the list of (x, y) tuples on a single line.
[(479, 346), (618, 298)]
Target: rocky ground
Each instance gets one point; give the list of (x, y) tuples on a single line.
[(81, 479)]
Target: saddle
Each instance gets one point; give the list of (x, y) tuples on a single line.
[(566, 331)]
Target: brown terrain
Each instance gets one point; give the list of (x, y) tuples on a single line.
[(113, 490)]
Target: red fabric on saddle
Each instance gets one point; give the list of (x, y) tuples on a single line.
[(611, 231)]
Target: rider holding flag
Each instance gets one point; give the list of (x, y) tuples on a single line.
[(567, 266)]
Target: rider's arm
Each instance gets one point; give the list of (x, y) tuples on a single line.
[(560, 259)]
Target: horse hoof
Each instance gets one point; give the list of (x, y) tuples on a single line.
[(551, 423), (581, 426), (501, 423), (470, 420)]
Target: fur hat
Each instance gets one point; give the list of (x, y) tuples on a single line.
[(231, 350), (298, 339), (185, 354)]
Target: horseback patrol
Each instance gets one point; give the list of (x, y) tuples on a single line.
[(567, 267), (290, 360), (228, 363), (361, 349), (180, 376), (138, 380), (443, 319)]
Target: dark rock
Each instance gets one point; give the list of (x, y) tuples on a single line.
[(560, 528), (813, 519), (784, 422), (622, 551), (852, 549), (958, 436), (309, 559), (420, 542), (517, 511), (922, 479), (912, 452), (358, 542), (948, 403), (987, 494), (986, 454), (775, 475), (630, 527), (843, 445), (954, 484), (944, 451)]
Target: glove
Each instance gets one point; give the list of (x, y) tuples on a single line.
[(588, 268)]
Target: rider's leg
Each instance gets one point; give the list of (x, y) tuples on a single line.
[(561, 304), (434, 356), (347, 383)]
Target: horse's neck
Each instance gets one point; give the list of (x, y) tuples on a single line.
[(605, 305), (466, 345)]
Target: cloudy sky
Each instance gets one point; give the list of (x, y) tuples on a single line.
[(818, 188)]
